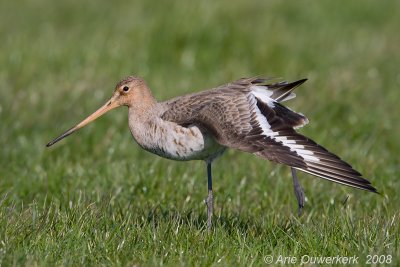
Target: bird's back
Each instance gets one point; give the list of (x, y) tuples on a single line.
[(247, 115)]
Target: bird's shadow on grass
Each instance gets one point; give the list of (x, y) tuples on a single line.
[(230, 223)]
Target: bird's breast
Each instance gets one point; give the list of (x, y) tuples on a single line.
[(173, 141)]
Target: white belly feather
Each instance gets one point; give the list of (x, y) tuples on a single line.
[(172, 141)]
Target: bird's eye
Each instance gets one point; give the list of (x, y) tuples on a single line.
[(126, 88)]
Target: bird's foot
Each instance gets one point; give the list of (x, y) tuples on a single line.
[(210, 209), (299, 192), (300, 209)]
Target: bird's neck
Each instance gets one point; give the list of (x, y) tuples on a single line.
[(144, 123)]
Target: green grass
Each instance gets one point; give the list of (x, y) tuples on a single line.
[(98, 199)]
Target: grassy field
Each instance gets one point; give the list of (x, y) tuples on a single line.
[(98, 199)]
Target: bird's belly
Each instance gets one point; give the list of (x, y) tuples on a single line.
[(186, 143)]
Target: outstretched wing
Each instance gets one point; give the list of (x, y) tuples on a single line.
[(246, 115), (279, 91)]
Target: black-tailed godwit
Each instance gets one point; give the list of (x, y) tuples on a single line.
[(246, 115)]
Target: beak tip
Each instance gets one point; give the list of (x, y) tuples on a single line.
[(49, 144), (107, 107)]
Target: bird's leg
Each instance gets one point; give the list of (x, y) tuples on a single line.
[(209, 200), (299, 192)]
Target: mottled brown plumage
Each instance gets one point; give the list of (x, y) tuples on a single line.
[(245, 115)]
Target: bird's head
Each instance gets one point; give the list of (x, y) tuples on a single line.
[(131, 91)]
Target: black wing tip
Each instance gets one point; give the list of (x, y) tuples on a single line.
[(330, 166), (368, 187), (374, 190), (354, 181), (298, 82), (279, 82)]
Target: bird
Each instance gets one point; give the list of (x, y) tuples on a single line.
[(246, 115)]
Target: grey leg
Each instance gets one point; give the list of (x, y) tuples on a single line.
[(209, 200), (298, 190)]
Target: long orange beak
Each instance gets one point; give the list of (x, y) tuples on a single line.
[(111, 104)]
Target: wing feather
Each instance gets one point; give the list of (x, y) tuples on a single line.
[(246, 115)]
